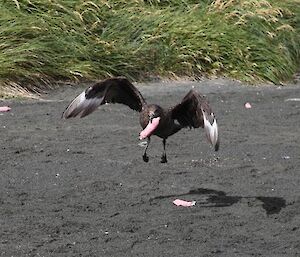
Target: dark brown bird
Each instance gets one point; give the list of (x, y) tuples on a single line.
[(193, 111)]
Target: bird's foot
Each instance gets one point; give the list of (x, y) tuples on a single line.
[(145, 158), (164, 159)]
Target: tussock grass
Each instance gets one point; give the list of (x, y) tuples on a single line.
[(42, 41)]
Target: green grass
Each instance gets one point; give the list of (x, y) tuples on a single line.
[(43, 41)]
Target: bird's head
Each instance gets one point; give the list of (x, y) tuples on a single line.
[(154, 117), (153, 114)]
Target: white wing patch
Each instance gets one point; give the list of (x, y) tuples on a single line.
[(211, 130), (81, 106)]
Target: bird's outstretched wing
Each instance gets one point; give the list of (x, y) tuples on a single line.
[(112, 90), (194, 112)]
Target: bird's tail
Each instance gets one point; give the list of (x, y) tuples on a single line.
[(211, 129)]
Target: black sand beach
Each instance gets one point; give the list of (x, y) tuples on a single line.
[(80, 187)]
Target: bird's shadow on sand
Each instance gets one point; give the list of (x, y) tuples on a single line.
[(217, 198)]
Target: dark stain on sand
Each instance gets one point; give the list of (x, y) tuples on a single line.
[(217, 198)]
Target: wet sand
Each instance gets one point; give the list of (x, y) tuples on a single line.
[(80, 187)]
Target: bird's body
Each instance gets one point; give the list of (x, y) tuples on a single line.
[(193, 111), (167, 126)]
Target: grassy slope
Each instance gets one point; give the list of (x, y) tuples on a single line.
[(42, 41)]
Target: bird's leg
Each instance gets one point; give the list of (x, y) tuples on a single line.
[(145, 156), (164, 155)]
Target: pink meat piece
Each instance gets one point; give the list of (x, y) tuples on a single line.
[(179, 202), (4, 109), (150, 128), (248, 105)]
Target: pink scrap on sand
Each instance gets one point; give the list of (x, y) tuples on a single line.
[(5, 109), (248, 105), (179, 202), (150, 128)]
